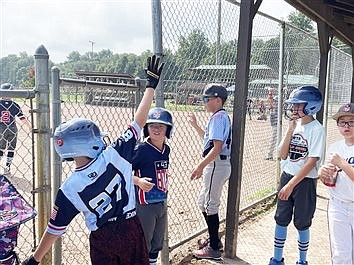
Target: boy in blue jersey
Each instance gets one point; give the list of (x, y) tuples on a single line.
[(150, 163), (301, 151), (101, 187), (9, 110), (215, 167)]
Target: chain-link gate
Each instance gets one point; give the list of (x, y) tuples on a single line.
[(111, 105), (20, 168)]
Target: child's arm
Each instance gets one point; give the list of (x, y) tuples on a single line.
[(153, 73), (143, 183), (46, 243), (338, 161), (285, 192), (284, 149), (26, 122), (194, 123), (325, 172), (213, 153), (144, 106)]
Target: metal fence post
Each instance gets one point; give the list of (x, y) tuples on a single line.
[(159, 94), (280, 97), (326, 92), (157, 46), (42, 131), (56, 162), (247, 13)]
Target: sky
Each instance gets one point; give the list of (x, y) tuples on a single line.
[(62, 26)]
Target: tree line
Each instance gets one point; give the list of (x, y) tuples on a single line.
[(193, 50)]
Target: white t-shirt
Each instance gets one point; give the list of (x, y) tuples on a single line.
[(307, 141), (344, 188)]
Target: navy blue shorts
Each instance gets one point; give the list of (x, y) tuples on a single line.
[(8, 137), (301, 203)]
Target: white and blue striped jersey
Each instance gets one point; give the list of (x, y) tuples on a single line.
[(218, 128), (103, 190)]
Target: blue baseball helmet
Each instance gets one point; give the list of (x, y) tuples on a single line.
[(159, 115), (7, 86), (308, 95), (78, 137)]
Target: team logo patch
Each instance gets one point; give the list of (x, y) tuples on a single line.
[(60, 142), (92, 175), (298, 148), (346, 108), (156, 115)]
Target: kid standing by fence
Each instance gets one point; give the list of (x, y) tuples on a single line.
[(301, 151), (101, 187), (9, 110), (338, 174), (150, 163), (215, 166)]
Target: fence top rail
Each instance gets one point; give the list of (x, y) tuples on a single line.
[(30, 93), (81, 82)]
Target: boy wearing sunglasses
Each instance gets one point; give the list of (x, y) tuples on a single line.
[(215, 166), (338, 174)]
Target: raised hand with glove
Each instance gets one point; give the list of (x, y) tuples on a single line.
[(153, 71)]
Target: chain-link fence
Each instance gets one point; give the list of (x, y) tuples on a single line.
[(112, 107), (200, 44), (19, 168)]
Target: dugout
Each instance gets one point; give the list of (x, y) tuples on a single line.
[(103, 89)]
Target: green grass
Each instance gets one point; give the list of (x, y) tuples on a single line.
[(74, 98), (183, 107), (260, 194)]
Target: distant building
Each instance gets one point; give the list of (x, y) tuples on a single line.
[(227, 73), (259, 87), (118, 78)]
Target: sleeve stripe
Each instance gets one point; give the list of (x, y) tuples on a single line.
[(134, 131), (56, 230)]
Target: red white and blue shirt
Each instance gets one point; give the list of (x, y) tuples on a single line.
[(151, 162)]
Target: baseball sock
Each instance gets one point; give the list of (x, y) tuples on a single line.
[(153, 258), (279, 241), (303, 244), (213, 229)]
